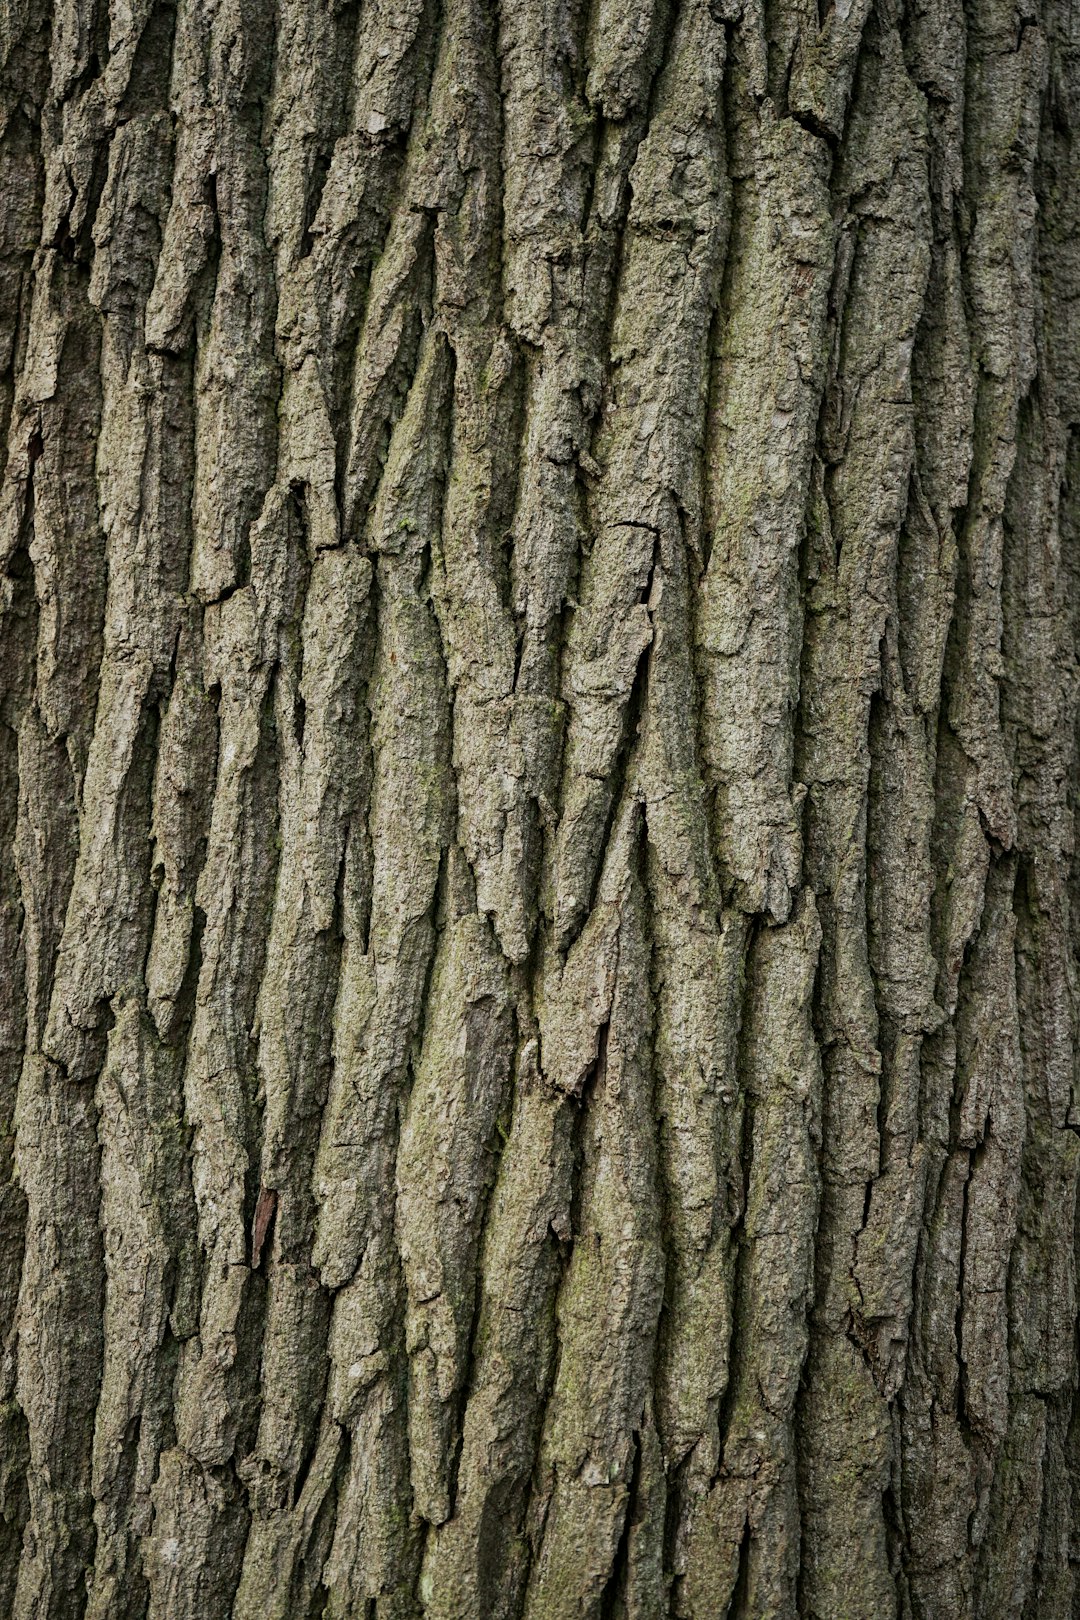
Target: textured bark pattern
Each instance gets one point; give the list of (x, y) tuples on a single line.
[(537, 842)]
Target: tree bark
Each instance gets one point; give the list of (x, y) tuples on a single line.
[(538, 876)]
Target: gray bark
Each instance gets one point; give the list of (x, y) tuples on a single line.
[(538, 876)]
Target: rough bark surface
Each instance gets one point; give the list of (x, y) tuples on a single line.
[(538, 884)]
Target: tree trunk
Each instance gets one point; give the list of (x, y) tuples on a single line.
[(539, 750)]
